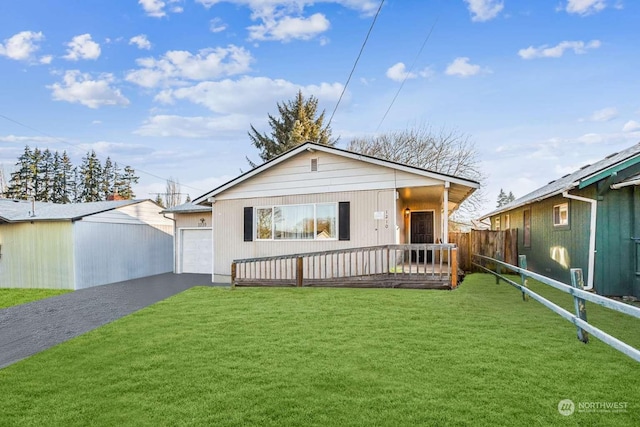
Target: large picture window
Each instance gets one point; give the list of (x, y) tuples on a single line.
[(297, 222)]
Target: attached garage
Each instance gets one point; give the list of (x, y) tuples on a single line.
[(193, 243), (196, 250)]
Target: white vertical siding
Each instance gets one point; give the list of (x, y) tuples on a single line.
[(37, 255), (335, 174), (365, 230), (107, 253)]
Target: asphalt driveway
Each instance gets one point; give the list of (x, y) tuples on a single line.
[(30, 328)]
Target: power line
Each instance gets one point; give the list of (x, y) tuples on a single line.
[(344, 89), (80, 148), (406, 76)]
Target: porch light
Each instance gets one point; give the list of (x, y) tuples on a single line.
[(407, 211)]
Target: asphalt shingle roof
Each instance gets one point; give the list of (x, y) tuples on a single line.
[(187, 207), (569, 181)]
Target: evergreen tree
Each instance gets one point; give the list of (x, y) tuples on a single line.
[(126, 181), (188, 199), (35, 172), (108, 179), (91, 178), (20, 184), (504, 198), (75, 192), (296, 125), (159, 200), (46, 176)]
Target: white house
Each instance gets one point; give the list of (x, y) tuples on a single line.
[(319, 198), (73, 246)]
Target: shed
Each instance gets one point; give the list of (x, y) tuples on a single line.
[(589, 219), (74, 246)]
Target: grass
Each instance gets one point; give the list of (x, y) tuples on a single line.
[(10, 296), (322, 357)]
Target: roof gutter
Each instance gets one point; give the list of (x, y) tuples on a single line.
[(592, 235), (625, 184)]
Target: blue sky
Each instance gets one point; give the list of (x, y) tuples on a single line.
[(171, 87)]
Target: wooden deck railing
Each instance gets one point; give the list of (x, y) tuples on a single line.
[(413, 265)]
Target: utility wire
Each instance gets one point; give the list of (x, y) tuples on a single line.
[(344, 89), (408, 73), (80, 148)]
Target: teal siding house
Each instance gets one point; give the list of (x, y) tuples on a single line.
[(588, 219)]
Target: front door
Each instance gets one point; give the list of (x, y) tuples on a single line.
[(421, 232)]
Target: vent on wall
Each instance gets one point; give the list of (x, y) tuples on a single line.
[(314, 165)]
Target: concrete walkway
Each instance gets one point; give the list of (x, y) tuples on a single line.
[(30, 328)]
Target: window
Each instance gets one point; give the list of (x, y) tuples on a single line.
[(297, 222), (507, 222), (497, 223), (526, 228), (561, 215), (314, 165)]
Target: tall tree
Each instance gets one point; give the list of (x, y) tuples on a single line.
[(46, 176), (21, 180), (107, 186), (298, 122), (504, 198), (126, 181), (447, 152), (91, 178), (4, 184)]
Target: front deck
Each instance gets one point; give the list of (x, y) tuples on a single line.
[(423, 266)]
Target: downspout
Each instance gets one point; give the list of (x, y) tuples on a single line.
[(592, 235), (175, 261)]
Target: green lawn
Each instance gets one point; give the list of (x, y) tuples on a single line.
[(318, 357), (10, 296)]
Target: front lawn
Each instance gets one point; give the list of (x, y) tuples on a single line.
[(321, 357), (12, 296)]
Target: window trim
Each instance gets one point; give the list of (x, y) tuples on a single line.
[(526, 228), (560, 226), (507, 221), (315, 223), (496, 223)]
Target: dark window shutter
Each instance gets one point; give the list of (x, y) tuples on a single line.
[(344, 221), (248, 224)]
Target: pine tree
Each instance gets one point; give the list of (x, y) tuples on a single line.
[(504, 198), (20, 184), (159, 200), (188, 199), (46, 176), (296, 125), (108, 179), (126, 181), (35, 171), (91, 178)]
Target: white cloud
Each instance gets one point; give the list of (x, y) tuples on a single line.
[(77, 87), (248, 95), (578, 47), (82, 47), (192, 127), (631, 126), (156, 8), (46, 59), (29, 139), (216, 25), (141, 41), (179, 65), (462, 68), (399, 73), (484, 10), (289, 28), (585, 7), (284, 20), (604, 115), (21, 46)]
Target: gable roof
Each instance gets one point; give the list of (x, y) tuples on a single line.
[(22, 210), (581, 178), (311, 146)]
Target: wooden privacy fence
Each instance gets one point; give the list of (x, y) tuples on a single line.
[(579, 296), (502, 244), (409, 266)]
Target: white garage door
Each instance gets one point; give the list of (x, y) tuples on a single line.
[(196, 251)]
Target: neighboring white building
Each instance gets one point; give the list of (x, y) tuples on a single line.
[(319, 198), (73, 246)]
